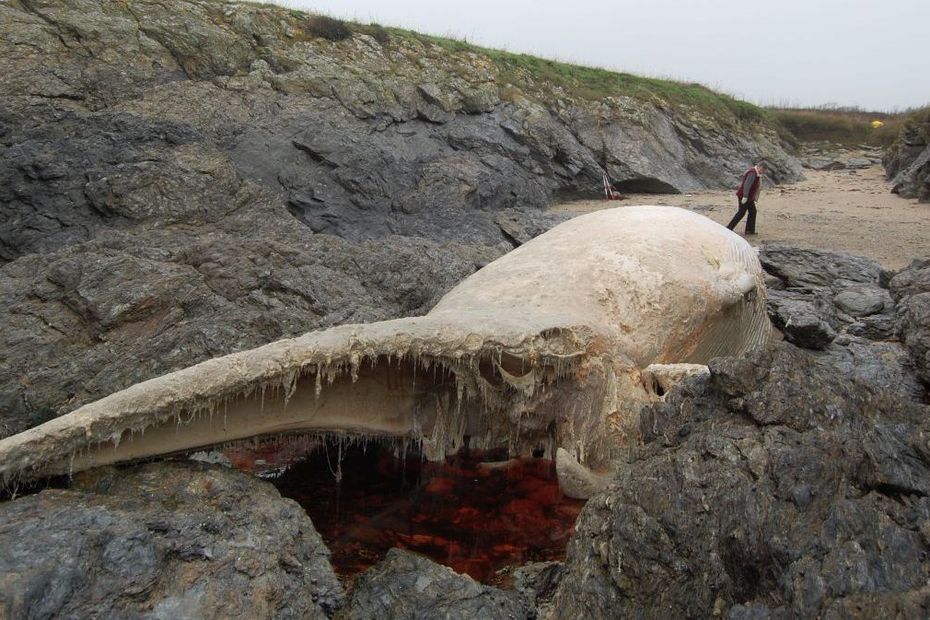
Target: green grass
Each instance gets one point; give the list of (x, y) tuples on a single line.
[(544, 76)]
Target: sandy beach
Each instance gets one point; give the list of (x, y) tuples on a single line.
[(843, 210)]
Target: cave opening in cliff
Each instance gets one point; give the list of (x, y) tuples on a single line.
[(476, 512), (644, 185)]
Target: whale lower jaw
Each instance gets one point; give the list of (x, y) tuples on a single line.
[(548, 390)]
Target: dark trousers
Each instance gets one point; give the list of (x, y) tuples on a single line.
[(749, 206)]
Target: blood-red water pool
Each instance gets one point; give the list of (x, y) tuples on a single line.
[(473, 516)]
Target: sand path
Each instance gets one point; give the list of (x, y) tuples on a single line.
[(844, 210)]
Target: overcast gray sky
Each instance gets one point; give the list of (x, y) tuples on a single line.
[(867, 53)]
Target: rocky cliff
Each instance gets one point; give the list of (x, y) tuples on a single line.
[(907, 161), (180, 179)]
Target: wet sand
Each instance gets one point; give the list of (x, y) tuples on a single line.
[(841, 210)]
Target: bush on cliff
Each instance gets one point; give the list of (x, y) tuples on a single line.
[(328, 28)]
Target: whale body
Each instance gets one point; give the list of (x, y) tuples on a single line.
[(544, 348)]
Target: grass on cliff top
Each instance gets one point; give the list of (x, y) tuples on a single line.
[(548, 78), (591, 83)]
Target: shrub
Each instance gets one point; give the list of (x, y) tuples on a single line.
[(378, 32), (328, 28)]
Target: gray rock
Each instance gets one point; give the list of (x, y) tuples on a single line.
[(875, 327), (915, 330), (912, 280), (537, 583), (860, 301), (858, 163), (167, 540), (807, 268), (519, 227), (911, 288), (884, 366), (812, 289), (914, 180), (823, 163), (804, 323), (406, 585), (907, 161)]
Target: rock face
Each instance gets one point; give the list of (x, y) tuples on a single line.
[(184, 179), (911, 289), (773, 489), (163, 541), (907, 162)]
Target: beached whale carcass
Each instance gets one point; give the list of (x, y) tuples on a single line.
[(543, 348)]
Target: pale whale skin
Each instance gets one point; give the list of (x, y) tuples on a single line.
[(543, 348)]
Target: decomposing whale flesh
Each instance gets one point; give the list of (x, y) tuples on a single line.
[(544, 348)]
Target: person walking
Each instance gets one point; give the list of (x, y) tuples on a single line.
[(747, 193)]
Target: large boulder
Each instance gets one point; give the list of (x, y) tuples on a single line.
[(805, 321), (163, 541), (869, 322)]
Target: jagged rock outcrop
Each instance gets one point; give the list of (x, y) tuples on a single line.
[(188, 178), (775, 488), (168, 540), (907, 161), (817, 294), (840, 305), (849, 289)]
